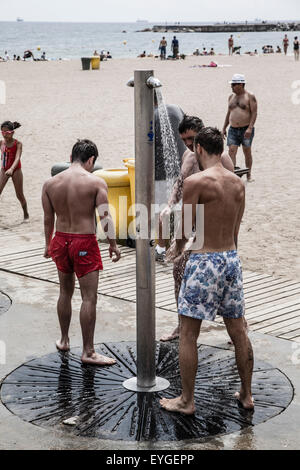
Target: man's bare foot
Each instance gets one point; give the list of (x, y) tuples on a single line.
[(247, 403), (97, 360), (62, 345), (250, 180), (177, 405), (172, 336)]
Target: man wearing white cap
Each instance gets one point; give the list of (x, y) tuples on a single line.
[(241, 115)]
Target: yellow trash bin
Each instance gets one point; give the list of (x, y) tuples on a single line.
[(130, 164), (95, 61), (119, 198)]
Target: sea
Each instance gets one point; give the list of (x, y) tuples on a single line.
[(122, 40)]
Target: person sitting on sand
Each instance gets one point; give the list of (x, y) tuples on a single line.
[(196, 52), (11, 151), (143, 54), (73, 195), (212, 52), (212, 283), (28, 55), (278, 50)]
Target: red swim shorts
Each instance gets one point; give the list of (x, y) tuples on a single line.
[(74, 252)]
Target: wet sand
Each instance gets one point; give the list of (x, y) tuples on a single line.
[(57, 103)]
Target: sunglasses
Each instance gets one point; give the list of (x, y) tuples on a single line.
[(7, 132)]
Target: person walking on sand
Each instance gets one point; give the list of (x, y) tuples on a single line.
[(163, 48), (296, 48), (241, 115), (230, 44), (285, 43), (72, 196), (11, 151), (212, 282), (175, 47)]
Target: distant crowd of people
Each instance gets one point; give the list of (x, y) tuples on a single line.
[(27, 55), (104, 55), (232, 49)]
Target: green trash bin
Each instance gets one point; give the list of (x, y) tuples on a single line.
[(86, 63)]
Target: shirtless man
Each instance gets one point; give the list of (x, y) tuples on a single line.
[(163, 48), (241, 115), (217, 261), (188, 129), (72, 196)]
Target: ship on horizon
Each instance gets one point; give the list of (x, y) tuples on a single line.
[(19, 19)]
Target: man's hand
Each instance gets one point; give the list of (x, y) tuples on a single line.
[(9, 172), (224, 133), (164, 213), (248, 133), (173, 252), (46, 252), (114, 250)]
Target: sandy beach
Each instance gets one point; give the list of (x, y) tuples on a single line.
[(57, 103)]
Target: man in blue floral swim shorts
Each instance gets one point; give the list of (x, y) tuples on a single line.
[(212, 283)]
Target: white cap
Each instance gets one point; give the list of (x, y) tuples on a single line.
[(238, 78)]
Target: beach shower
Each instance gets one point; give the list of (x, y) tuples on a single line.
[(146, 381)]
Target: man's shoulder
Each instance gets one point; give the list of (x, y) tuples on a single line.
[(250, 94)]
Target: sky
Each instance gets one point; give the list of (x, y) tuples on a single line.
[(151, 10)]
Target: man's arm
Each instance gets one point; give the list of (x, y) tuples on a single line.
[(106, 220), (227, 162), (187, 169), (253, 110), (239, 219), (191, 194), (49, 216)]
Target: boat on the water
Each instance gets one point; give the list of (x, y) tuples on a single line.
[(19, 19)]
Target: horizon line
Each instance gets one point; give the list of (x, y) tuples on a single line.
[(154, 22)]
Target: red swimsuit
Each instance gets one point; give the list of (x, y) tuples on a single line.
[(8, 156)]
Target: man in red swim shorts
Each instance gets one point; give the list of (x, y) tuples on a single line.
[(72, 196)]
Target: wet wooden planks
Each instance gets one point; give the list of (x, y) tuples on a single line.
[(272, 304)]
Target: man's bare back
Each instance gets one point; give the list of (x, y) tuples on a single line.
[(223, 194), (74, 195)]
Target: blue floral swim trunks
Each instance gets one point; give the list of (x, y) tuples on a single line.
[(212, 285)]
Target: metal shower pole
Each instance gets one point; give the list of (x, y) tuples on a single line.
[(146, 380)]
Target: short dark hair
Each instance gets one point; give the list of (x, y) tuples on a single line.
[(10, 125), (190, 123), (210, 138), (83, 150)]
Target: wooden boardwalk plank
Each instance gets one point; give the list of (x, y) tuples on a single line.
[(272, 304)]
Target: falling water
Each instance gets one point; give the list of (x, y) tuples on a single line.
[(170, 150)]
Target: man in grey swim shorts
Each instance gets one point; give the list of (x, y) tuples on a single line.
[(212, 281)]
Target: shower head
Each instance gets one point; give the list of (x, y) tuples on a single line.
[(130, 82), (153, 82)]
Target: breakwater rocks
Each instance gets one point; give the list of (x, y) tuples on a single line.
[(224, 28)]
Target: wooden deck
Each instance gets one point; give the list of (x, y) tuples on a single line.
[(272, 304)]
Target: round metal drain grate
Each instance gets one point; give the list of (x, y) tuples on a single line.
[(48, 390), (5, 303)]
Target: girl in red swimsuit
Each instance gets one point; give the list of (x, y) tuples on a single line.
[(11, 151)]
